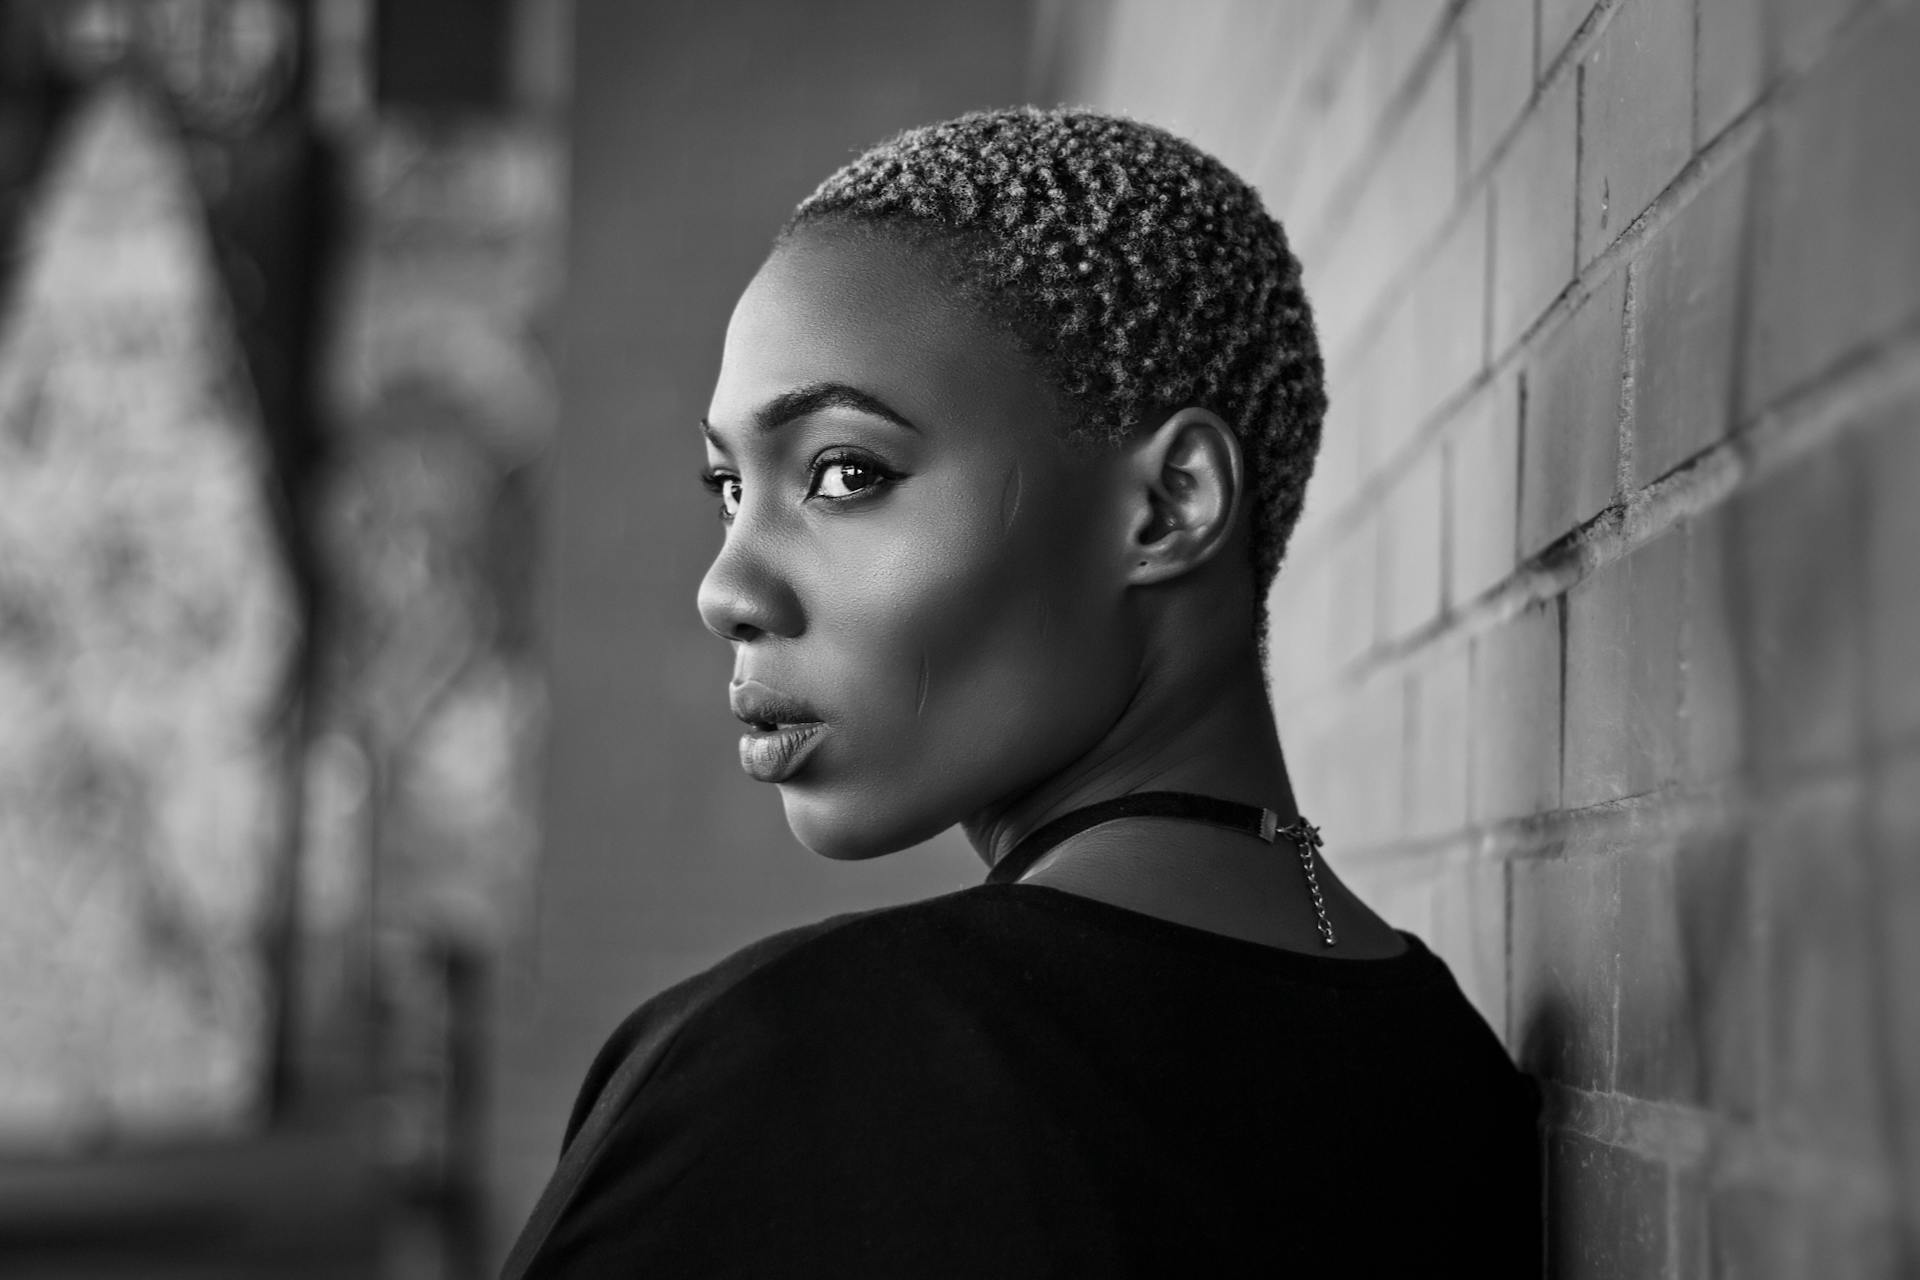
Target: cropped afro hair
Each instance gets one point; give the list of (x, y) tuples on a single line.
[(1141, 274)]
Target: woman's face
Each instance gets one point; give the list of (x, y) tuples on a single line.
[(910, 555)]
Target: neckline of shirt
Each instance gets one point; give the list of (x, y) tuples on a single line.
[(1413, 964)]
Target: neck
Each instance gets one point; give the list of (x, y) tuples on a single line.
[(1207, 729)]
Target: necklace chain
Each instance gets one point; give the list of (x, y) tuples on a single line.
[(1261, 823), (1306, 838)]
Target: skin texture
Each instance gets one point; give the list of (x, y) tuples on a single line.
[(994, 629)]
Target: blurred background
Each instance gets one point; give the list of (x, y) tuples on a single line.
[(363, 760)]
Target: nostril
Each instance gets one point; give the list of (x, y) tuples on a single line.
[(741, 598)]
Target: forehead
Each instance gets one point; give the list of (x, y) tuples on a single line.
[(874, 313)]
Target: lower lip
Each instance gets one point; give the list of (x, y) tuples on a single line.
[(774, 755)]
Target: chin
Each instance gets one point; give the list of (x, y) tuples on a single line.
[(845, 827)]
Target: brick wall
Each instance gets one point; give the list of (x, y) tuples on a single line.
[(1594, 654)]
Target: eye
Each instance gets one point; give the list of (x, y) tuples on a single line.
[(727, 486), (846, 476)]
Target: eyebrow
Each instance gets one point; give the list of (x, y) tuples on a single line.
[(789, 406)]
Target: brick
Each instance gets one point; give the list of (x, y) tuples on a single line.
[(1771, 1233), (1731, 67), (1246, 77), (1434, 341), (1448, 309), (1296, 613), (1483, 492), (1533, 217), (1802, 31), (1713, 681), (1839, 248), (1745, 45), (1853, 1241), (1890, 459), (1896, 893), (1345, 282), (1824, 1082), (1559, 19), (1409, 581), (1307, 731), (1636, 119), (1687, 298), (1393, 403), (1309, 31), (1138, 39), (1409, 189), (1498, 38), (1389, 46), (1515, 734), (1689, 995), (1350, 620), (1687, 1224), (1437, 745), (1800, 551), (1565, 969), (1606, 1212), (1396, 37), (1622, 734), (1338, 468), (1570, 420), (1339, 128), (1404, 900), (1361, 789), (1469, 932), (1373, 75), (1756, 1233)]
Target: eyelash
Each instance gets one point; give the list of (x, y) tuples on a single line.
[(716, 481)]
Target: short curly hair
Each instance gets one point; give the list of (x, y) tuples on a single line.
[(1140, 272)]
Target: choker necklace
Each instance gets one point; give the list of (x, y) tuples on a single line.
[(1262, 824)]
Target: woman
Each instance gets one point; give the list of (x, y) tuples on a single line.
[(1009, 434)]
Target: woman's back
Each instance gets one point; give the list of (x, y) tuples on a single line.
[(1009, 434), (1015, 1081)]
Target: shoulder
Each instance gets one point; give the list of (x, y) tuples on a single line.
[(843, 1098), (855, 945), (856, 966)]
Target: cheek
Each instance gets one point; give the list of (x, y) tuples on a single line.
[(985, 631)]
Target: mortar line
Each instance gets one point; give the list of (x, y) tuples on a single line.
[(1699, 173), (1680, 1135), (1844, 398), (1632, 826), (1350, 186), (1467, 188)]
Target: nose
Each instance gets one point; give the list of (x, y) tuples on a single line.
[(744, 596)]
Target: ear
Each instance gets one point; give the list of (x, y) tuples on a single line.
[(1184, 483)]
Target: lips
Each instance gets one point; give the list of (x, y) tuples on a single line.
[(782, 730), (763, 708), (774, 755)]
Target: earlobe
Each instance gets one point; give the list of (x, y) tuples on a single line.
[(1185, 478)]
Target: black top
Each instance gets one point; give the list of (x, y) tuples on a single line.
[(1014, 1081)]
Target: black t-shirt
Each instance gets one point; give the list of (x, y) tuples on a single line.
[(1015, 1081)]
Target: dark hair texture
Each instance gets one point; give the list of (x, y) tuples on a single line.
[(1140, 272)]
